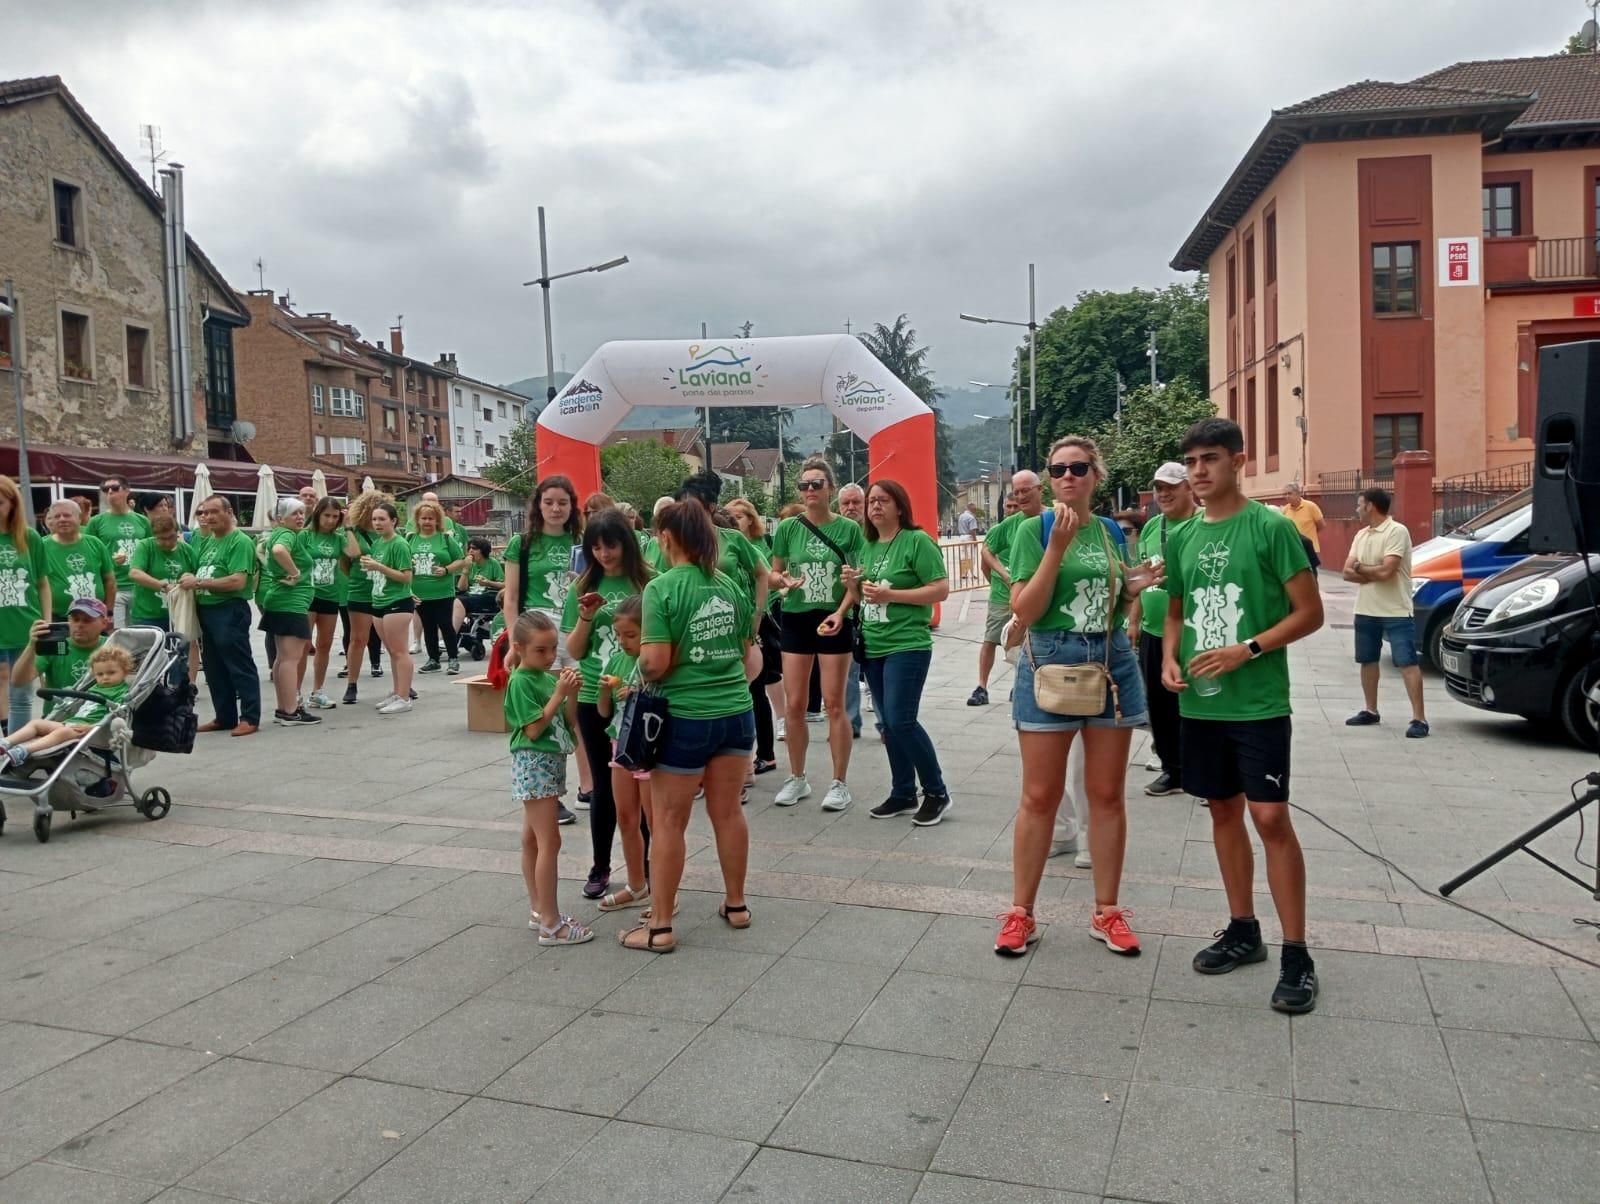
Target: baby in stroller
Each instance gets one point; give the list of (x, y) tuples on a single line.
[(112, 666)]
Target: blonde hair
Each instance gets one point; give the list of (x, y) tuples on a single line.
[(359, 514), (1083, 443), (113, 654), (17, 528), (744, 506), (434, 509)]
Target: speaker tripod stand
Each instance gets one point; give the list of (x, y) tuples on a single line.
[(1523, 843)]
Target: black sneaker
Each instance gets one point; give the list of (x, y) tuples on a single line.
[(431, 666), (934, 808), (891, 807), (350, 695), (307, 717), (1417, 729), (764, 766), (285, 718), (599, 880), (564, 817), (1296, 992), (413, 693), (1239, 944), (979, 698), (1164, 785), (341, 674), (1362, 719), (377, 670)]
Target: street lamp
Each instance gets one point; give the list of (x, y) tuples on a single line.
[(1032, 326), (780, 411), (8, 311), (543, 280)]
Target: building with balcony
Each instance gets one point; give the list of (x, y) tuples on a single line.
[(482, 418), (1387, 259)]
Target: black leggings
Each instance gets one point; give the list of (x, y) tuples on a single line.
[(437, 617), (764, 729), (374, 641), (603, 807)]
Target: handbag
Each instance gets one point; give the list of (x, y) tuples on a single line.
[(858, 637), (1080, 690), (642, 730)]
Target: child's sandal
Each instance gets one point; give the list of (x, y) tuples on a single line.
[(649, 943), (619, 900), (735, 917)]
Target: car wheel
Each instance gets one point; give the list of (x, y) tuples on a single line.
[(1433, 645), (1580, 706)]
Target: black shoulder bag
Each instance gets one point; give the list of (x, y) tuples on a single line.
[(858, 639)]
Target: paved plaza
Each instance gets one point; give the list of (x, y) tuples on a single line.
[(314, 982)]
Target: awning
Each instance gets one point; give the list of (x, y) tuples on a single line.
[(156, 472)]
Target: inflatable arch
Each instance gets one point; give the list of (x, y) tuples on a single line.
[(833, 370)]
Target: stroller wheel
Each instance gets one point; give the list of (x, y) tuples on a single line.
[(477, 650), (41, 826), (154, 803)]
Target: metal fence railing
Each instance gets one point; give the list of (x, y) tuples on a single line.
[(963, 564), (1336, 492), (1460, 498)]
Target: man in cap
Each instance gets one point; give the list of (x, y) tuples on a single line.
[(86, 631), (1175, 500)]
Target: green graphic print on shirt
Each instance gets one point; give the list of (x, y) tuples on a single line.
[(1081, 597)]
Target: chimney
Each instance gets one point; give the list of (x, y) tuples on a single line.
[(395, 343)]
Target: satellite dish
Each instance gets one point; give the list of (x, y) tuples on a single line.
[(1587, 34), (243, 431)]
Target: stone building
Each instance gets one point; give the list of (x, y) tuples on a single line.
[(89, 244)]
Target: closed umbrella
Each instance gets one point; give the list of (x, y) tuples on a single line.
[(319, 482), (367, 485), (266, 497), (202, 490)]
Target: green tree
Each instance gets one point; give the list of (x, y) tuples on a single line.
[(896, 348), (1153, 424), (514, 465), (638, 472), (1577, 44)]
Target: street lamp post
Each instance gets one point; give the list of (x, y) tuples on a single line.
[(1032, 325), (8, 311), (543, 280), (780, 412)]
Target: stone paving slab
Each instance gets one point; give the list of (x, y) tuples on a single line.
[(307, 987)]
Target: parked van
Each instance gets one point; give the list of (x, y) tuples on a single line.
[(1446, 568)]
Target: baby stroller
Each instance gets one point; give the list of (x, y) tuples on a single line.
[(93, 773)]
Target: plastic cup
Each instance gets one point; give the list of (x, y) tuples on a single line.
[(1205, 687)]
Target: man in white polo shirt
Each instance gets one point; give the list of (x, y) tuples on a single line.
[(1380, 563)]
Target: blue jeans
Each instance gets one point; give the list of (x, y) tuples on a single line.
[(230, 666), (896, 684), (852, 696), (21, 696)]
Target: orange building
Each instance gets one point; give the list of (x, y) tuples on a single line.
[(1387, 259)]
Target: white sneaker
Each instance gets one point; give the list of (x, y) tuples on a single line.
[(1060, 848), (794, 788), (383, 702), (1153, 765), (866, 702), (777, 729), (1082, 860), (396, 706), (838, 797), (414, 647)]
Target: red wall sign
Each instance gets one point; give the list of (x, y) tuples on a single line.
[(1586, 305)]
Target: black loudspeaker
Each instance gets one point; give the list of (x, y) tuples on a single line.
[(1566, 455)]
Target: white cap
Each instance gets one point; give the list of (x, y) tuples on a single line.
[(1171, 473)]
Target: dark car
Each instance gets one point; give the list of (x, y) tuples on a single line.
[(1527, 642)]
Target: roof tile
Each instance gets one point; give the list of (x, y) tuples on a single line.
[(1567, 85)]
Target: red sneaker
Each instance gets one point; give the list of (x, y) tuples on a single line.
[(1111, 926), (1017, 932)]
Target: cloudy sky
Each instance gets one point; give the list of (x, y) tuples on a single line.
[(793, 163)]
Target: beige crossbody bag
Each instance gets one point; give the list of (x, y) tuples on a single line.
[(1080, 690)]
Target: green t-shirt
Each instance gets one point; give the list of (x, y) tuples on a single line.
[(396, 553), (149, 557), (20, 604), (329, 580), (429, 552), (527, 694), (707, 619), (1082, 595), (234, 553), (75, 710), (655, 557), (484, 576), (998, 541), (815, 563), (549, 569), (62, 672), (908, 560), (627, 668), (120, 533), (740, 561), (1153, 601), (359, 586), (602, 640), (1229, 578), (275, 595), (77, 570)]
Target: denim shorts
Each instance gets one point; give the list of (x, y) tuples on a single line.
[(1073, 648), (692, 742), (1401, 633)]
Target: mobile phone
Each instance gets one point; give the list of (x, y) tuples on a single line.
[(590, 600), (578, 561), (54, 641)]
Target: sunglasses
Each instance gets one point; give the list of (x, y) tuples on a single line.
[(811, 486), (1077, 468)]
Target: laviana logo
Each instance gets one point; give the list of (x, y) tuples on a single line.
[(718, 371), (581, 397), (853, 393)]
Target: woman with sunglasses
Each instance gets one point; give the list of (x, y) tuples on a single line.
[(324, 542), (1071, 588)]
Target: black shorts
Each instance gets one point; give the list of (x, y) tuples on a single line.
[(287, 624), (1223, 759), (799, 630), (769, 638), (324, 606), (406, 606), (478, 604), (359, 608)]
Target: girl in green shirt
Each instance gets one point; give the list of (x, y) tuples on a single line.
[(630, 788), (326, 543), (285, 600), (436, 558), (387, 568), (25, 594)]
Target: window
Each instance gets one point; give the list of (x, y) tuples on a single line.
[(68, 212), (1249, 269), (477, 400), (352, 451), (1272, 416), (219, 374), (488, 414), (334, 344), (1233, 285), (516, 413), (1269, 249), (391, 419), (488, 450), (316, 399), (461, 435), (140, 371), (502, 408), (477, 438), (1249, 424), (1233, 403), (1502, 210), (1394, 277), (392, 456), (1392, 434), (346, 403), (77, 346), (458, 398)]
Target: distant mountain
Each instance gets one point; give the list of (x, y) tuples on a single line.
[(962, 406), (536, 386)]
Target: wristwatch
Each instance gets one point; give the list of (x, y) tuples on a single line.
[(1255, 648)]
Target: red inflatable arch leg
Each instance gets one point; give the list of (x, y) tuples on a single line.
[(904, 452), (557, 453)]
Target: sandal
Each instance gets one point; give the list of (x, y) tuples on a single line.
[(618, 900), (728, 913), (628, 940), (644, 916)]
